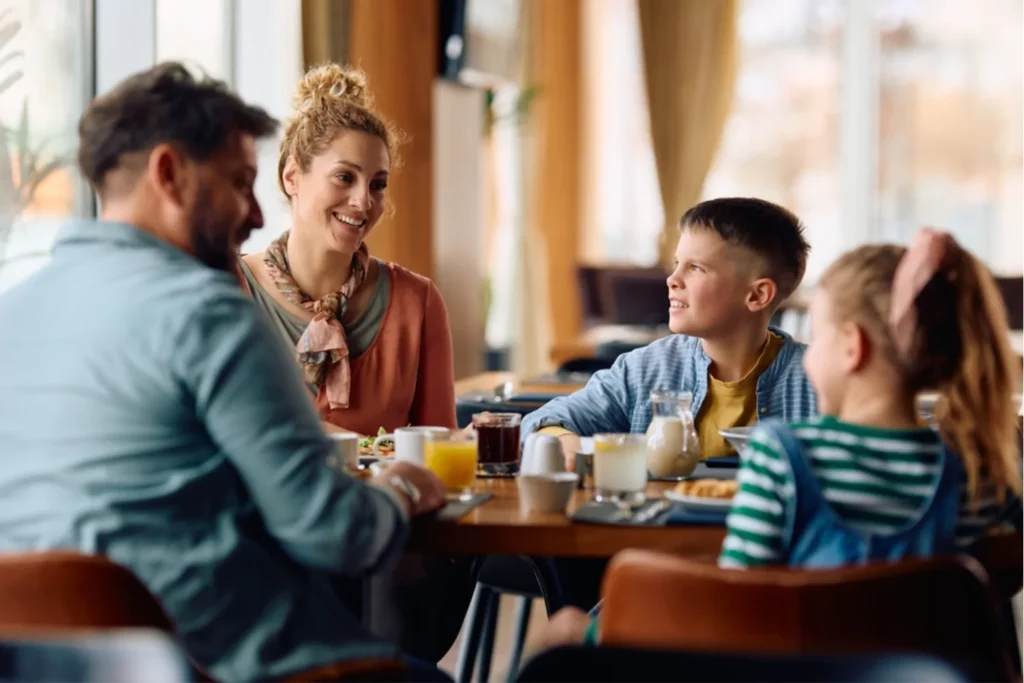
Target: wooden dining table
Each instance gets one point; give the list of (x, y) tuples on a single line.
[(501, 527)]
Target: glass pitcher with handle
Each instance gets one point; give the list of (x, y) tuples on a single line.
[(673, 449)]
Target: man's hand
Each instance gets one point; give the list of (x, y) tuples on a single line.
[(571, 445), (429, 492)]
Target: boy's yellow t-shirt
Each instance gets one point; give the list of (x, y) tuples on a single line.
[(732, 404)]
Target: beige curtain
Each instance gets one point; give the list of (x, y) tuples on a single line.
[(691, 52), (552, 170)]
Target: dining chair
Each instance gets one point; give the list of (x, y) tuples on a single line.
[(62, 593), (525, 578), (945, 607), (1012, 291), (578, 663), (584, 366)]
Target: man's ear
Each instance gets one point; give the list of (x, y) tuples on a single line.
[(168, 173), (761, 295)]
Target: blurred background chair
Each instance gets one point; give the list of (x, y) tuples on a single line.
[(1012, 290), (585, 366)]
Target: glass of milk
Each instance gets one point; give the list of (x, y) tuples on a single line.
[(620, 468), (673, 449)]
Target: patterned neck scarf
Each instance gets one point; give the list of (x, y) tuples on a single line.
[(322, 349)]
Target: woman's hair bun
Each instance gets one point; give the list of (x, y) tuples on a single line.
[(329, 84)]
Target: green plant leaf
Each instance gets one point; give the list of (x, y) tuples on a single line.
[(10, 80), (8, 191), (8, 31), (11, 56), (22, 142)]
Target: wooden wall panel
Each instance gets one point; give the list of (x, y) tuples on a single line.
[(394, 42)]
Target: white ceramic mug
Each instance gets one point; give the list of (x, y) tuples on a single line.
[(542, 454), (408, 442), (346, 451)]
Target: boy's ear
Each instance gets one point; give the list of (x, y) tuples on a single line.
[(761, 295)]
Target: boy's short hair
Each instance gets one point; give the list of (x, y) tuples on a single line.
[(770, 231)]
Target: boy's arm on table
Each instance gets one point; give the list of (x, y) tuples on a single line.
[(604, 405)]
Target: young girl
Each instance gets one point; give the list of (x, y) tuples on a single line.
[(867, 481)]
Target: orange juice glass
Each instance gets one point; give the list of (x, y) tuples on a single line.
[(452, 457)]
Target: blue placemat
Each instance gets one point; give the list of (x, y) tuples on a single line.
[(535, 397), (683, 515), (725, 461), (609, 513)]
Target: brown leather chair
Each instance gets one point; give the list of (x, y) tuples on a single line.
[(53, 593), (944, 607), (66, 591)]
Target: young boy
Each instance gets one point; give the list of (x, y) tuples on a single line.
[(737, 260)]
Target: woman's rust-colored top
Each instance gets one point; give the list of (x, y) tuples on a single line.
[(405, 375)]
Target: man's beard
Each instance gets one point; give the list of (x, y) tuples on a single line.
[(213, 239)]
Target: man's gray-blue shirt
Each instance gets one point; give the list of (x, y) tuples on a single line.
[(149, 414), (618, 399)]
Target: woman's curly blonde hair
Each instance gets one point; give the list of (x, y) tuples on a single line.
[(329, 100)]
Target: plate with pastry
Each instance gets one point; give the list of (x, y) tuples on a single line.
[(385, 449), (704, 494)]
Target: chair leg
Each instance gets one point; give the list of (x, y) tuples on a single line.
[(522, 625), (547, 579), (474, 629), (487, 643)]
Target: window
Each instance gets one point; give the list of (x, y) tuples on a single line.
[(46, 77), (623, 217), (781, 142), (196, 32), (949, 120), (868, 118)]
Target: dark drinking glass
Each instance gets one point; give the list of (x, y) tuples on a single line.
[(497, 437)]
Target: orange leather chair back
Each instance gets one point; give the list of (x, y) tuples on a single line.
[(944, 607), (58, 591)]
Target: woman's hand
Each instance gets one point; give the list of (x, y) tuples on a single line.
[(334, 429)]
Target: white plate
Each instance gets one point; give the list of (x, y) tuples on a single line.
[(736, 436), (700, 503)]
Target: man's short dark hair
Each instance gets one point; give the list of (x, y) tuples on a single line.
[(770, 231), (164, 104)]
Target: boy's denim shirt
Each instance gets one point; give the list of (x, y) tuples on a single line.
[(618, 399)]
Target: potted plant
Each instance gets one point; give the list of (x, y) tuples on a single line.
[(22, 167)]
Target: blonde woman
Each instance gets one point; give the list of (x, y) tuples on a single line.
[(371, 337)]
